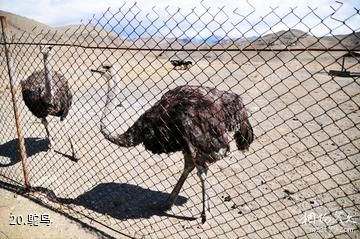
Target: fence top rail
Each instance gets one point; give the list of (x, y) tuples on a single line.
[(217, 49)]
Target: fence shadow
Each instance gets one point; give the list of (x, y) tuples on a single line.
[(10, 149), (125, 201)]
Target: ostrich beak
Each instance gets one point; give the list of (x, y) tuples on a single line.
[(97, 71)]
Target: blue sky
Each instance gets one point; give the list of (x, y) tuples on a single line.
[(64, 12)]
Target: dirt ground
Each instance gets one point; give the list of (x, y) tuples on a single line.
[(304, 160), (22, 218)]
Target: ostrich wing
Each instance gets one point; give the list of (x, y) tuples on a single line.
[(191, 118)]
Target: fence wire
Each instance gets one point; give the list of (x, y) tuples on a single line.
[(300, 177)]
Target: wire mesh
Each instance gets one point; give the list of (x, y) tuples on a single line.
[(300, 178)]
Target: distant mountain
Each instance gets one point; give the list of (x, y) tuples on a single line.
[(28, 29), (215, 39), (283, 39), (25, 27), (212, 39), (294, 38), (350, 41), (89, 34)]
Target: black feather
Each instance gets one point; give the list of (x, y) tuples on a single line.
[(193, 119), (61, 101)]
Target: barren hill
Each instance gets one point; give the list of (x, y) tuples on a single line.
[(294, 38), (79, 33), (27, 29), (284, 39), (18, 24)]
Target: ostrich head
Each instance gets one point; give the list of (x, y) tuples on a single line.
[(47, 56), (46, 51), (109, 71)]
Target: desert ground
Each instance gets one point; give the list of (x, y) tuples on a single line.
[(300, 178), (17, 215), (305, 157)]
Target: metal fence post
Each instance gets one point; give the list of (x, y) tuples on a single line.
[(22, 149)]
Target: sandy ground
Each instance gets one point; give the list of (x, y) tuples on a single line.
[(21, 218), (304, 161)]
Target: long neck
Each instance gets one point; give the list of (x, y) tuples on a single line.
[(112, 100), (108, 117), (48, 92)]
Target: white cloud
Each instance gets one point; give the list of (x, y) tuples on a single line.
[(57, 13)]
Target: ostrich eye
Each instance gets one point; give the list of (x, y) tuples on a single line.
[(106, 67)]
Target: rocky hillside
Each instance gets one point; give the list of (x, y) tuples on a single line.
[(26, 29), (19, 25), (298, 39)]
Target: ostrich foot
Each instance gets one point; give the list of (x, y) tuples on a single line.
[(203, 217), (163, 206), (74, 158), (49, 144), (74, 154)]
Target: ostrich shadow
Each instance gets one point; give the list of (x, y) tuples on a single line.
[(10, 149), (125, 201)]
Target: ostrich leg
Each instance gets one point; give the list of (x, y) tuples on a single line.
[(189, 166), (202, 175), (73, 151), (46, 123)]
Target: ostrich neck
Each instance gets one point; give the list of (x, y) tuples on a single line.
[(112, 100), (48, 92), (108, 117)]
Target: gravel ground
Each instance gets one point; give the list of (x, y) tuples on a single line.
[(22, 218), (305, 158)]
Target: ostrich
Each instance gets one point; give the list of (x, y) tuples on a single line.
[(183, 64), (193, 119), (47, 92)]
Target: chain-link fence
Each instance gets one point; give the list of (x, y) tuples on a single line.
[(300, 177)]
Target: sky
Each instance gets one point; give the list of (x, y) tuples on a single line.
[(252, 17)]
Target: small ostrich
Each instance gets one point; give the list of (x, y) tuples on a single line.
[(193, 119), (47, 92)]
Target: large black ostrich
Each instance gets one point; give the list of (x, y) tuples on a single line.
[(47, 92), (193, 119)]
